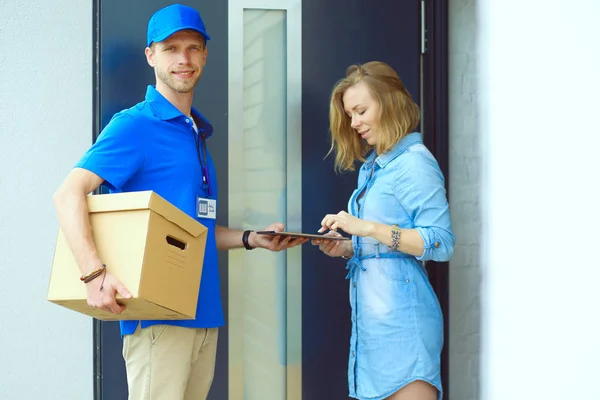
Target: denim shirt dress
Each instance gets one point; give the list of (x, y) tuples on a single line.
[(397, 324)]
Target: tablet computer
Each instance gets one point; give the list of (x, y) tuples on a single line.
[(302, 235)]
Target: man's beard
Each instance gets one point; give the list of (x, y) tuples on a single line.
[(179, 87)]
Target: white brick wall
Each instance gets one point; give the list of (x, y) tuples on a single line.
[(45, 126), (464, 203)]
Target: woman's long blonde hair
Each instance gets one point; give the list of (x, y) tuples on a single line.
[(398, 114)]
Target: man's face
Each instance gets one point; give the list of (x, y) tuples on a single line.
[(178, 60)]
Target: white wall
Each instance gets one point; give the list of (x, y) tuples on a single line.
[(45, 125), (539, 81), (464, 154)]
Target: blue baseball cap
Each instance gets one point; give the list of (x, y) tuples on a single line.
[(171, 19)]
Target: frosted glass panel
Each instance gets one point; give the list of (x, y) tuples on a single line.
[(264, 194), (264, 146)]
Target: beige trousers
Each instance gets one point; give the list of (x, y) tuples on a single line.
[(166, 362)]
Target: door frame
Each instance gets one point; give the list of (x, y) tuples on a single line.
[(96, 129), (434, 103)]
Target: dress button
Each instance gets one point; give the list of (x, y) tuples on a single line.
[(187, 120), (354, 284), (437, 244), (353, 355)]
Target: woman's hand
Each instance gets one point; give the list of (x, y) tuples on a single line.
[(347, 223), (334, 248)]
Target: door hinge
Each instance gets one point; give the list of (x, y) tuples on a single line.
[(423, 28)]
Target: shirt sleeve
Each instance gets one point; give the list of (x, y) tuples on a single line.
[(419, 187), (117, 154)]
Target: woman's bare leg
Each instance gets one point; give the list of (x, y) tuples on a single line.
[(417, 390)]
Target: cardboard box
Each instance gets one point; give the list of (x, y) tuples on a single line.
[(152, 247)]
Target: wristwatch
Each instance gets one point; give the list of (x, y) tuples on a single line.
[(245, 240)]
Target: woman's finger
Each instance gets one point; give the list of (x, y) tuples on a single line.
[(331, 246), (325, 218)]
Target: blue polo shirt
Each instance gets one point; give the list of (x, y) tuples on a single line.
[(152, 146)]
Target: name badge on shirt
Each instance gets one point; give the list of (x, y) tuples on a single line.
[(206, 208)]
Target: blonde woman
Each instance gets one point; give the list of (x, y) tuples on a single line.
[(398, 218)]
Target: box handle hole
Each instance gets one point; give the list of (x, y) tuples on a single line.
[(175, 242)]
